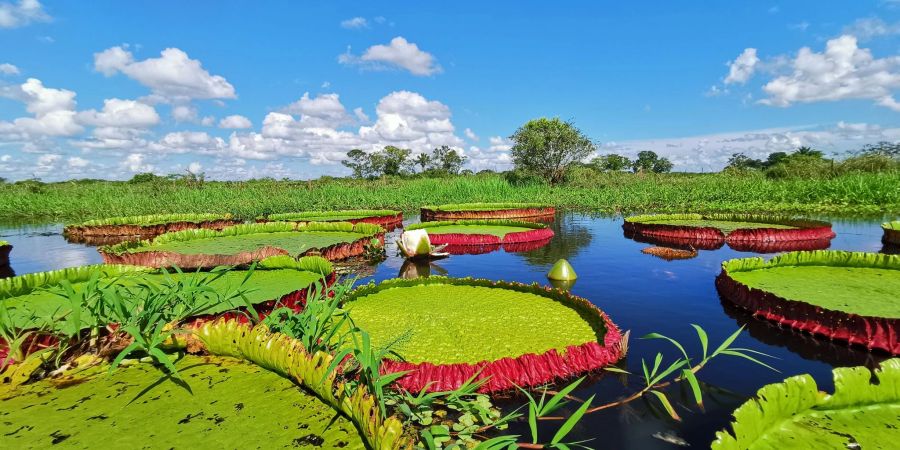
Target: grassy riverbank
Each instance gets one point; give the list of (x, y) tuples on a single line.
[(868, 194)]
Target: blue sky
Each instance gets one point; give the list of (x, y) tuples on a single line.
[(243, 89)]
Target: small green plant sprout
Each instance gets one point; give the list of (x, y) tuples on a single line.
[(322, 325), (658, 376), (450, 418), (149, 313)]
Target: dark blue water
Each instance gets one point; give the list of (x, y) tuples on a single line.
[(640, 293)]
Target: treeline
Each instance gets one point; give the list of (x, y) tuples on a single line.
[(395, 161), (807, 162)]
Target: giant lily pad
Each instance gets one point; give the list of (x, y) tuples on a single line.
[(846, 296), (461, 236), (31, 297), (520, 211), (5, 249), (243, 244), (446, 330), (891, 233), (137, 406), (743, 232), (795, 415), (116, 229), (386, 218)]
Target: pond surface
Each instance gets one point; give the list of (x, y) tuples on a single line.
[(640, 292)]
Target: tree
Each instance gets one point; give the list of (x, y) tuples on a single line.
[(741, 162), (808, 151), (391, 161), (423, 161), (662, 165), (548, 147), (447, 159), (649, 161), (883, 148), (611, 163), (359, 162), (775, 158)]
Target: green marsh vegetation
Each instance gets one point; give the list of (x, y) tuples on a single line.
[(551, 167)]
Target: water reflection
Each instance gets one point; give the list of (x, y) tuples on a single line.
[(421, 269), (570, 239)]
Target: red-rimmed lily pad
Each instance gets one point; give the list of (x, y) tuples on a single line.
[(446, 330), (742, 232), (482, 236), (117, 229), (386, 218), (243, 244), (519, 211), (844, 296)]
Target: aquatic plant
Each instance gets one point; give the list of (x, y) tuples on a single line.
[(145, 226), (891, 233), (137, 406), (487, 211), (744, 232), (386, 218), (438, 326), (5, 249), (243, 244), (483, 232), (562, 271), (286, 356), (71, 310), (794, 414), (845, 296)]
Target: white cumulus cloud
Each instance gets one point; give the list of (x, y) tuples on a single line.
[(173, 76), (19, 14), (235, 122), (8, 69), (742, 68), (120, 113), (399, 54)]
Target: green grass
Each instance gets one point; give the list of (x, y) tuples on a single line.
[(895, 225), (264, 285), (872, 194), (445, 324), (293, 241), (136, 407), (858, 290)]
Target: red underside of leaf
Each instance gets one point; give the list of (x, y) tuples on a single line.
[(146, 231), (871, 332), (760, 240), (520, 237)]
